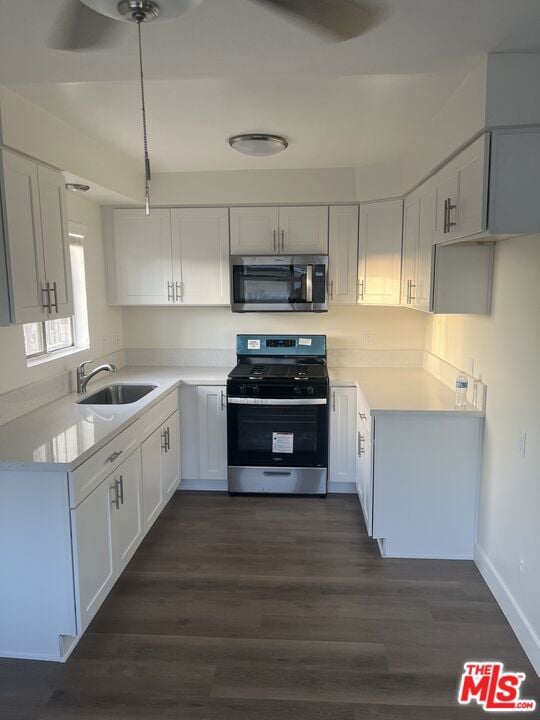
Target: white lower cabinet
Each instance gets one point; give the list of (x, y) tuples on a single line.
[(160, 468), (364, 467), (66, 537), (342, 447), (212, 432)]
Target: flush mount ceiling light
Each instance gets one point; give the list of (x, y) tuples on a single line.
[(77, 187), (258, 144)]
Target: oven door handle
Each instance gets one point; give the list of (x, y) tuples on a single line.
[(276, 401)]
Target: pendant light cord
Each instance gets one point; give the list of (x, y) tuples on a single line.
[(147, 173)]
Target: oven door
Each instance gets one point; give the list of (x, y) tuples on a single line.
[(277, 433), (279, 283)]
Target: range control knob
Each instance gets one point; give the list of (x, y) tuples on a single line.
[(243, 389), (310, 390), (297, 390), (255, 390)]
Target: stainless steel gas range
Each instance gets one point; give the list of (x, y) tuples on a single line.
[(277, 415)]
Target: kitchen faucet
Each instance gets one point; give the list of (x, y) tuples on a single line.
[(83, 379)]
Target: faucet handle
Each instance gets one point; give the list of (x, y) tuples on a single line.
[(82, 365)]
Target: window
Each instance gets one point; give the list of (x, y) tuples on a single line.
[(46, 338)]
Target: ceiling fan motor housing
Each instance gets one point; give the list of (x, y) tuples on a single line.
[(138, 10)]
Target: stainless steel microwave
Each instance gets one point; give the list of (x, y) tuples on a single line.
[(279, 283)]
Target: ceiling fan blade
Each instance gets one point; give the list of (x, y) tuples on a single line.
[(341, 19), (78, 27)]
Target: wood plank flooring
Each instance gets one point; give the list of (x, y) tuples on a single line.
[(243, 608)]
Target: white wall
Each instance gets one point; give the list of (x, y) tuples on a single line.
[(105, 323), (506, 350), (254, 186), (216, 328), (38, 133)]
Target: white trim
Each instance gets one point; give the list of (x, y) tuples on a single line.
[(54, 355), (514, 614), (204, 485), (347, 488)]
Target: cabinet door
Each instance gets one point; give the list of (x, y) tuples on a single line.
[(365, 474), (446, 198), (254, 230), (152, 470), (472, 168), (303, 230), (379, 252), (342, 461), (200, 242), (421, 295), (93, 552), (22, 225), (52, 201), (143, 255), (170, 475), (411, 224), (127, 520), (212, 402), (343, 254)]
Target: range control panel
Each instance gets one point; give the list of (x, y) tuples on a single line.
[(281, 345)]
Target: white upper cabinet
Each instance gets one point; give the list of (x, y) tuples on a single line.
[(143, 257), (418, 223), (379, 252), (37, 281), (254, 230), (343, 254), (295, 230), (54, 226), (170, 257), (461, 193), (411, 226), (303, 230), (200, 250)]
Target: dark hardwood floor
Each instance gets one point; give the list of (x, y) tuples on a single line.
[(244, 608)]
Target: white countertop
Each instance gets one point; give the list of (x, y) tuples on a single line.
[(391, 390), (63, 434)]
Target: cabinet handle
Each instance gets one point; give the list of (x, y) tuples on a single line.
[(55, 303), (115, 455), (222, 400), (116, 499), (121, 486), (170, 291), (334, 401), (179, 291), (331, 289), (164, 440), (445, 222), (361, 448), (361, 290), (283, 241), (275, 240), (362, 416), (47, 303), (450, 223), (168, 433), (411, 296)]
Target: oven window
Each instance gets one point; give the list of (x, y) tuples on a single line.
[(257, 428), (270, 283)]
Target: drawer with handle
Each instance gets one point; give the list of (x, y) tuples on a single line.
[(157, 415), (89, 475)]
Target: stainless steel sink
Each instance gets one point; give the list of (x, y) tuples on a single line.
[(117, 395)]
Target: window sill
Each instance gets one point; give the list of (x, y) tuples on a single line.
[(44, 359)]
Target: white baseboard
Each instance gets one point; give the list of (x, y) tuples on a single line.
[(205, 485), (348, 488), (520, 625)]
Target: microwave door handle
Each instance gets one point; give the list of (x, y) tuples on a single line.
[(309, 283)]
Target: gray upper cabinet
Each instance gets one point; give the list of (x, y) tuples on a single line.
[(35, 282)]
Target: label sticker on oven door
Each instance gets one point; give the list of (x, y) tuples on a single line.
[(282, 442), (254, 344), (304, 341)]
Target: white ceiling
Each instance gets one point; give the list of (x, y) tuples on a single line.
[(231, 66)]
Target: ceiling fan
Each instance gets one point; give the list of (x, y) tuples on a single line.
[(91, 24)]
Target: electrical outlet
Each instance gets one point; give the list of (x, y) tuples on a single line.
[(522, 444), (522, 565), (368, 337), (116, 341)]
